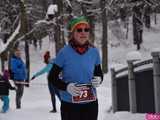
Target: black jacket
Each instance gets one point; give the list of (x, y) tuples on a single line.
[(5, 86)]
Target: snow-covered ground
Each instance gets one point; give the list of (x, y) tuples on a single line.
[(36, 100)]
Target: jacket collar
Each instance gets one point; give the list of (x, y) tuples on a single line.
[(81, 49)]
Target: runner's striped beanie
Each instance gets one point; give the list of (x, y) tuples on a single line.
[(76, 21)]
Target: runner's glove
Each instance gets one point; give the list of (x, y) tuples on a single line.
[(33, 77), (73, 89), (96, 81)]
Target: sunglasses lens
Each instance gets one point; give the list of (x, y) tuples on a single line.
[(84, 30), (79, 30)]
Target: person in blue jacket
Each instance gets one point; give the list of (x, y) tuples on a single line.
[(19, 74), (53, 90), (80, 64)]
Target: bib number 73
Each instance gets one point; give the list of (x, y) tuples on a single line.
[(85, 96)]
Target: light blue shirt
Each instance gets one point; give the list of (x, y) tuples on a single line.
[(76, 68)]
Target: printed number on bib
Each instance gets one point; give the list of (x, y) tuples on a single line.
[(85, 96)]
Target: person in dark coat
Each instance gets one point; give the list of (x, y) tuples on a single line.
[(137, 25), (18, 69), (53, 90), (4, 90)]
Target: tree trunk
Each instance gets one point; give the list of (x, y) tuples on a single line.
[(104, 37), (155, 15), (91, 19), (2, 64), (92, 23), (3, 58), (137, 25), (45, 5), (147, 19), (24, 30), (59, 39), (27, 61), (155, 18)]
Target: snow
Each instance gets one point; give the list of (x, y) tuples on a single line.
[(50, 22), (79, 0), (134, 55), (69, 3), (36, 102), (155, 49), (52, 9)]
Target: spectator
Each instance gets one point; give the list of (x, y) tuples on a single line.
[(18, 69), (53, 90), (4, 90)]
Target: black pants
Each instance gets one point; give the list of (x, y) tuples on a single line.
[(19, 94), (71, 111), (52, 91)]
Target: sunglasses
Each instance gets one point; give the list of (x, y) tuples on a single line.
[(79, 30)]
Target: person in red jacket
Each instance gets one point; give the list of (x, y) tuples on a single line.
[(46, 57)]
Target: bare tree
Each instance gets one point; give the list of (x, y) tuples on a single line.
[(59, 25), (104, 37), (24, 30)]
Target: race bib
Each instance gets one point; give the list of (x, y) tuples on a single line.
[(86, 96)]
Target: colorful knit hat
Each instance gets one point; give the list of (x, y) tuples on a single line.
[(76, 21)]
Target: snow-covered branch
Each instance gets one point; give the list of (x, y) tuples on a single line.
[(69, 3), (3, 46), (88, 2), (22, 1), (12, 5), (27, 34), (15, 22), (112, 2), (94, 10), (45, 22)]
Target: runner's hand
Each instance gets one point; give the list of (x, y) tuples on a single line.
[(33, 77), (96, 81), (73, 89)]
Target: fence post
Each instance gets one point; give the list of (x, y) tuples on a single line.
[(132, 87), (156, 79), (114, 90)]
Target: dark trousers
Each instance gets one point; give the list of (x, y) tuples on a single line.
[(19, 94), (71, 111), (53, 91)]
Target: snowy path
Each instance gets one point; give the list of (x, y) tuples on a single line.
[(36, 104)]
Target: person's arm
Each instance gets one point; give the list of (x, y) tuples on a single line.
[(46, 69), (6, 80), (98, 72), (53, 78), (10, 86)]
